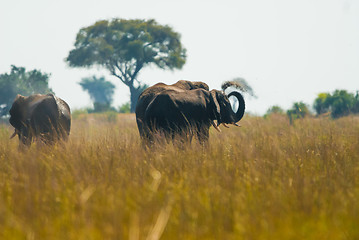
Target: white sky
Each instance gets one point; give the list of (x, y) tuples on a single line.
[(287, 50)]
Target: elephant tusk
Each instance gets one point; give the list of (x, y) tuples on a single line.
[(225, 125), (14, 134), (216, 127), (235, 124)]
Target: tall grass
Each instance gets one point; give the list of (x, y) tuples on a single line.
[(265, 180)]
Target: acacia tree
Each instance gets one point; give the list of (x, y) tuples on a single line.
[(124, 47)]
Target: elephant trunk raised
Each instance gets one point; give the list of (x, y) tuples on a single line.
[(241, 106)]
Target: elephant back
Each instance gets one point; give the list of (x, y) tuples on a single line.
[(63, 107)]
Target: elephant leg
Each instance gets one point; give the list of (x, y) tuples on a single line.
[(141, 128), (43, 129), (49, 134), (147, 140), (144, 136), (64, 128), (47, 137), (203, 136), (25, 139), (151, 135)]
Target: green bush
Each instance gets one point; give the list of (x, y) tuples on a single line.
[(125, 108), (299, 110), (273, 110), (340, 103)]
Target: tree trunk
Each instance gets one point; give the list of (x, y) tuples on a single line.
[(135, 93)]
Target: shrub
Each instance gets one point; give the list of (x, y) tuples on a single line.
[(299, 110), (273, 110), (125, 108)]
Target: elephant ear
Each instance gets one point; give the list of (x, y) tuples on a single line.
[(45, 108), (63, 107), (17, 111), (197, 85), (214, 101)]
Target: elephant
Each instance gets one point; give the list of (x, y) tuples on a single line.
[(45, 118), (186, 113), (150, 93)]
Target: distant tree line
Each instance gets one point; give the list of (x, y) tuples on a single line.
[(338, 104)]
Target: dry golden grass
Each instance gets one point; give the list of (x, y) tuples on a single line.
[(266, 180)]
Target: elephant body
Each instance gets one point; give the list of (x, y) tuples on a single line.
[(184, 113), (170, 114), (42, 117), (150, 93)]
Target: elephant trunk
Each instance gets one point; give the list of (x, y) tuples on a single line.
[(241, 106)]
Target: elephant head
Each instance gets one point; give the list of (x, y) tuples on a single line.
[(39, 116), (222, 108), (18, 119)]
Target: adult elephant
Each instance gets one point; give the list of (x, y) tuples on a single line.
[(189, 113), (150, 93), (45, 118)]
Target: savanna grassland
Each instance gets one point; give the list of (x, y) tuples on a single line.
[(265, 180)]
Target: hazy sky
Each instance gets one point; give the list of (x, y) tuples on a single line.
[(286, 50)]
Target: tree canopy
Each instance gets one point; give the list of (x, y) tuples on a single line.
[(20, 81), (100, 91), (124, 47), (321, 104), (340, 103)]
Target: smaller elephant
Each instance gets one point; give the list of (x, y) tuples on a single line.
[(45, 118)]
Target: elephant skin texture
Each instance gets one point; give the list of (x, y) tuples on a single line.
[(44, 118)]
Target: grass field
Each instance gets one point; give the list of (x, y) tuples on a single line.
[(265, 180)]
